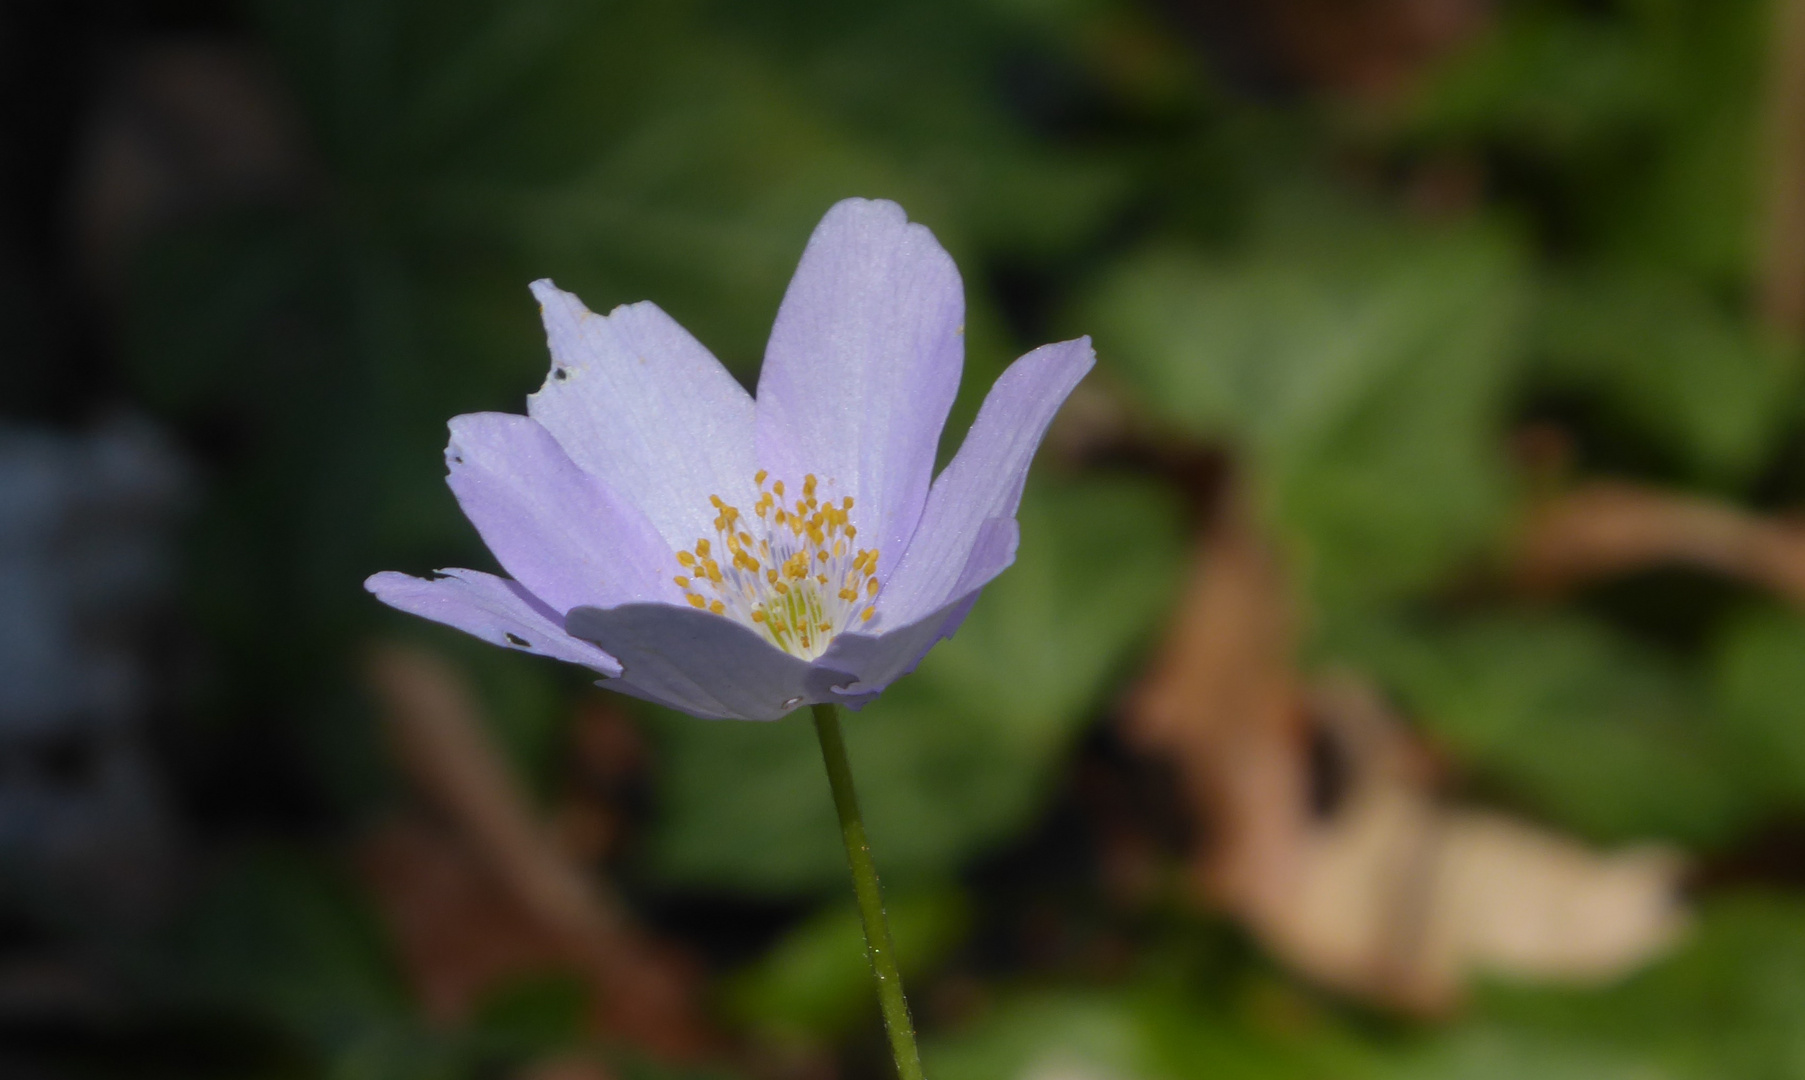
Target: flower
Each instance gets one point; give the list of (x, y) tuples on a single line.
[(735, 558)]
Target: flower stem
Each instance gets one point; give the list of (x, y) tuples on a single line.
[(878, 947)]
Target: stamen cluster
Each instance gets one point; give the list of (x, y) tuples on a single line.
[(791, 573)]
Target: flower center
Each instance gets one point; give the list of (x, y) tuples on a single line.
[(792, 573)]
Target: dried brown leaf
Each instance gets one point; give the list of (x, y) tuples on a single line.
[(645, 991), (1383, 892), (1605, 529)]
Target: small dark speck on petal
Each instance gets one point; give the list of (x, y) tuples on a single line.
[(560, 374), (457, 459), (518, 640)]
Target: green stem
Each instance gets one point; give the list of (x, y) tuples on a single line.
[(871, 899)]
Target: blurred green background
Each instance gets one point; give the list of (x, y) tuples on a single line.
[(1380, 289)]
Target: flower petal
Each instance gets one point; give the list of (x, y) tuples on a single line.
[(558, 530), (984, 480), (880, 659), (702, 664), (862, 366), (639, 404), (499, 611)]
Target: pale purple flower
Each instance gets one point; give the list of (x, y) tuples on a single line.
[(734, 558)]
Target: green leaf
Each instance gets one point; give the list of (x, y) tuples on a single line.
[(1585, 726), (1481, 1051), (1548, 81), (1071, 1035), (1363, 373), (1729, 1002), (1146, 1032), (815, 983), (1631, 129), (1760, 690), (1669, 360), (536, 1013)]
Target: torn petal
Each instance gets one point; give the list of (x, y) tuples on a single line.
[(499, 611), (644, 407)]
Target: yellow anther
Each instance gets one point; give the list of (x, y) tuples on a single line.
[(811, 581), (852, 532)]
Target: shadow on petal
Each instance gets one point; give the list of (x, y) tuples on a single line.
[(702, 664)]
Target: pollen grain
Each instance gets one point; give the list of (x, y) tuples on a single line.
[(794, 576)]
